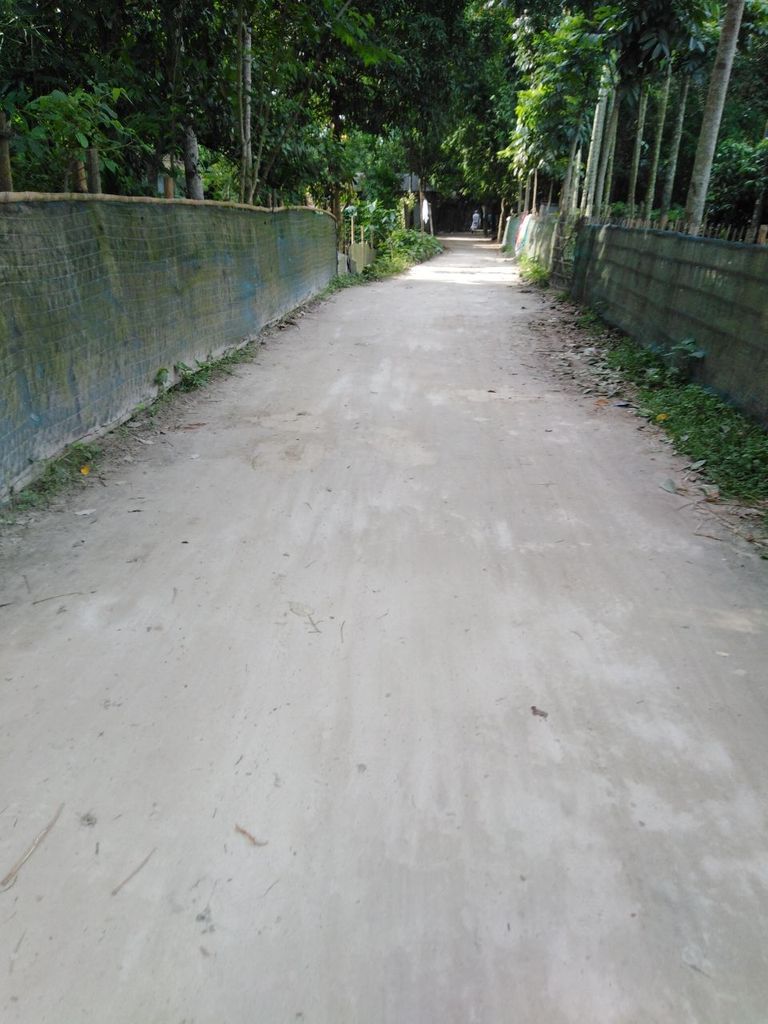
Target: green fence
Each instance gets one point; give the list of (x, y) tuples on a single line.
[(100, 293), (663, 288)]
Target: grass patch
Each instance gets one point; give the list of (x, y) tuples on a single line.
[(533, 272), (732, 448), (73, 466)]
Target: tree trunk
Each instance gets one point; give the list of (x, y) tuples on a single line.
[(247, 184), (660, 121), (565, 191), (551, 190), (192, 165), (641, 111), (93, 170), (520, 198), (534, 197), (6, 177), (169, 187), (757, 212), (421, 207), (576, 182), (527, 202), (595, 146), (677, 135), (607, 150), (713, 112), (500, 225), (79, 178)]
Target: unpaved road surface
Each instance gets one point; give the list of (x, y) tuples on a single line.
[(321, 610)]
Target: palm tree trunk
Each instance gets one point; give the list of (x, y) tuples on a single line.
[(192, 165), (641, 112), (713, 112), (660, 121), (669, 181), (595, 146), (247, 184), (608, 150)]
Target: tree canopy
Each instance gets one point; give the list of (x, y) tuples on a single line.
[(280, 101)]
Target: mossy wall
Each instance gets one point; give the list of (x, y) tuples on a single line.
[(97, 294), (663, 288)]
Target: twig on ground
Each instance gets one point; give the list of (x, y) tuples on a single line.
[(10, 878), (133, 874)]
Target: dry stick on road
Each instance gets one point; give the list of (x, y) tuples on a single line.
[(10, 878), (133, 874)]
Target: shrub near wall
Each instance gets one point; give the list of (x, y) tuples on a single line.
[(99, 294), (662, 288)]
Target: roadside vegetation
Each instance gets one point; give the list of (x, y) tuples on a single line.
[(724, 446), (532, 271), (729, 447)]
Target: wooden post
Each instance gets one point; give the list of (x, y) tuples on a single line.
[(93, 170), (762, 234), (6, 177), (169, 190)]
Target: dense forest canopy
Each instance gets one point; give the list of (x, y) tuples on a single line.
[(596, 106)]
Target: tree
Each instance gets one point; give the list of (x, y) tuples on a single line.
[(713, 112)]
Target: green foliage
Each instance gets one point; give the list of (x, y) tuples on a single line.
[(703, 426), (400, 250), (72, 468), (739, 175), (57, 127), (563, 66), (532, 271)]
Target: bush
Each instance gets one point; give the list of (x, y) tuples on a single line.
[(401, 249), (533, 272)]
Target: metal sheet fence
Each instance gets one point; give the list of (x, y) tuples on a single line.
[(99, 294)]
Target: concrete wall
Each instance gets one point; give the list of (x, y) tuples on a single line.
[(662, 288), (99, 293)]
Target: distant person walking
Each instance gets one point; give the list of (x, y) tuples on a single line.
[(475, 226)]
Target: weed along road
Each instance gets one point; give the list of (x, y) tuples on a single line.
[(384, 682)]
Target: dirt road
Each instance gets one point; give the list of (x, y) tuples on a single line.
[(281, 677)]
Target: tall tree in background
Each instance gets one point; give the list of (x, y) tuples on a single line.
[(713, 112)]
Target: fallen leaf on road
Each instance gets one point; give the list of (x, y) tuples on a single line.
[(538, 712), (86, 512), (143, 440), (669, 485)]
